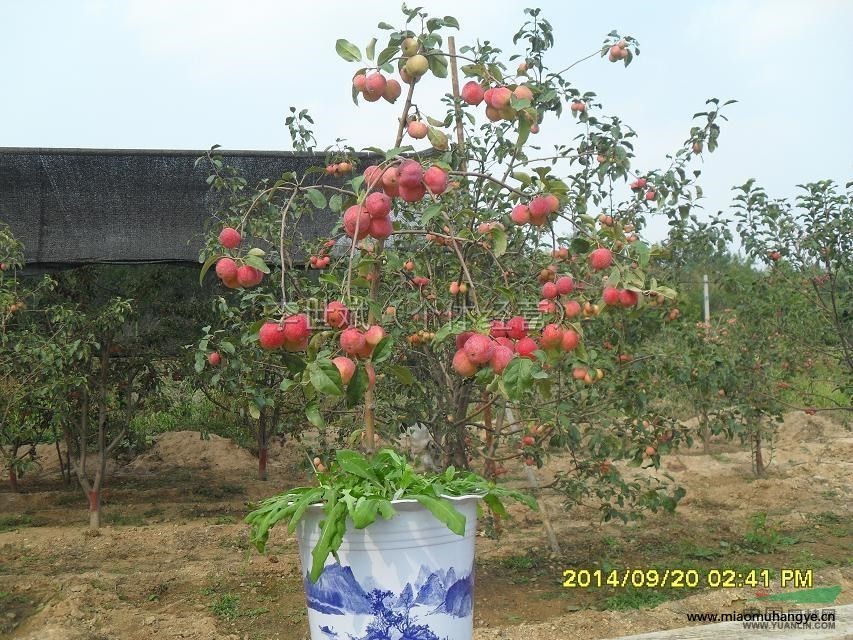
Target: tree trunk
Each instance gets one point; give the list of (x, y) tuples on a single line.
[(262, 445), (262, 464), (460, 450), (489, 467), (13, 479), (64, 465), (94, 510), (705, 432), (757, 456)]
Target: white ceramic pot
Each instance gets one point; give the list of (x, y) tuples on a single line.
[(408, 578)]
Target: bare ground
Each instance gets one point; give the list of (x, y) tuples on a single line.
[(173, 559)]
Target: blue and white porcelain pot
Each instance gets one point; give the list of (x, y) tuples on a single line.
[(407, 578)]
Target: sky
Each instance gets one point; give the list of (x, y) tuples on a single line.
[(187, 74)]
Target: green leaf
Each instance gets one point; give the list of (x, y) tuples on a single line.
[(294, 363), (495, 505), (325, 377), (365, 512), (402, 374), (317, 198), (257, 263), (255, 251), (309, 498), (517, 378), (383, 350), (357, 386), (430, 212), (207, 264), (385, 26), (445, 512), (579, 245), (499, 242), (643, 253), (335, 521), (254, 411), (312, 412), (437, 64), (523, 132), (438, 139), (336, 203), (370, 49), (347, 50), (450, 21), (355, 463), (386, 54)]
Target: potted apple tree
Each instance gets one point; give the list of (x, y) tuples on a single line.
[(450, 290)]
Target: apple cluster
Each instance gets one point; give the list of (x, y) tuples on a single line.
[(292, 333), (618, 51), (353, 341), (641, 183), (537, 212), (376, 86), (506, 341), (339, 168), (232, 274), (498, 101), (406, 180), (322, 259)]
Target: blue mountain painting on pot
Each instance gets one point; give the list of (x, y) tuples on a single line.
[(433, 592)]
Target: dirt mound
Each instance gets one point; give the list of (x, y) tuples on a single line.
[(188, 450), (47, 459), (48, 462)]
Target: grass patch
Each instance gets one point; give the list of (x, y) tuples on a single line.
[(22, 521), (119, 519), (226, 606), (635, 599), (835, 524), (18, 606), (694, 551), (217, 511), (523, 568), (762, 537), (218, 492)]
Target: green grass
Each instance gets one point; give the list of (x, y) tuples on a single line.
[(761, 537), (219, 492), (226, 606), (636, 599), (153, 512), (22, 521), (119, 519), (69, 498)]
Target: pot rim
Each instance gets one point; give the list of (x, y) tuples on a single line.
[(468, 496)]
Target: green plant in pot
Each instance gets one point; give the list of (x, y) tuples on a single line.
[(402, 542)]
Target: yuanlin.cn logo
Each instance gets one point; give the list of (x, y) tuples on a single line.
[(787, 620)]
